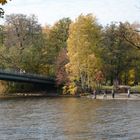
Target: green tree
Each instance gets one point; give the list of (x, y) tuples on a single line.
[(56, 37), (22, 46), (23, 43), (117, 54)]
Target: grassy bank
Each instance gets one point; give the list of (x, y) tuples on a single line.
[(135, 88)]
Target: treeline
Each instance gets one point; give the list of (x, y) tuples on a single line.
[(81, 54)]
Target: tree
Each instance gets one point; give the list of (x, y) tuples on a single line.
[(61, 74), (23, 43), (22, 46), (84, 37), (117, 55), (56, 37), (21, 30)]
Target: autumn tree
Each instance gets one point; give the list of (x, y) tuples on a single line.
[(61, 74), (84, 37), (1, 9), (3, 1)]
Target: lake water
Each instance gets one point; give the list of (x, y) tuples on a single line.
[(69, 119)]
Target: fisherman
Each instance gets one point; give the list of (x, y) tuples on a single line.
[(113, 94), (104, 95), (128, 93), (94, 93)]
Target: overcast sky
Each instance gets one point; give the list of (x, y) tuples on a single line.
[(50, 11)]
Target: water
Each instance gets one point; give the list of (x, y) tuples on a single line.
[(69, 119)]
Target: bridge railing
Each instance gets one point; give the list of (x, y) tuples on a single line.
[(23, 73)]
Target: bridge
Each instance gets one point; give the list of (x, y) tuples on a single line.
[(27, 78)]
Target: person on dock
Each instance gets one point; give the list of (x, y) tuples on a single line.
[(104, 95), (128, 93), (94, 93), (113, 94)]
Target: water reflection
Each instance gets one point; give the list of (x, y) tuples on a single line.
[(69, 119)]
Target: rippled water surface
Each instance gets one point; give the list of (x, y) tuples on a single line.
[(69, 119)]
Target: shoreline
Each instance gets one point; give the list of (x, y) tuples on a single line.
[(118, 96), (26, 95)]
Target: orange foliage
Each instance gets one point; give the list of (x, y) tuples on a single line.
[(3, 2)]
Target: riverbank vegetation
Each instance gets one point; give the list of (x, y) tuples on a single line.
[(82, 54)]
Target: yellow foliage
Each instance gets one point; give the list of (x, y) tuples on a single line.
[(131, 77), (65, 90), (3, 87), (84, 35), (71, 89)]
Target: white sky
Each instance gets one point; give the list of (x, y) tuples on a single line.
[(50, 11)]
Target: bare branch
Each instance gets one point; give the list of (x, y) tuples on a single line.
[(131, 42)]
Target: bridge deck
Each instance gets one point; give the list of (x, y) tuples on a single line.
[(25, 77)]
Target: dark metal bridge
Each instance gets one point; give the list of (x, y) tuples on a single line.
[(26, 78)]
